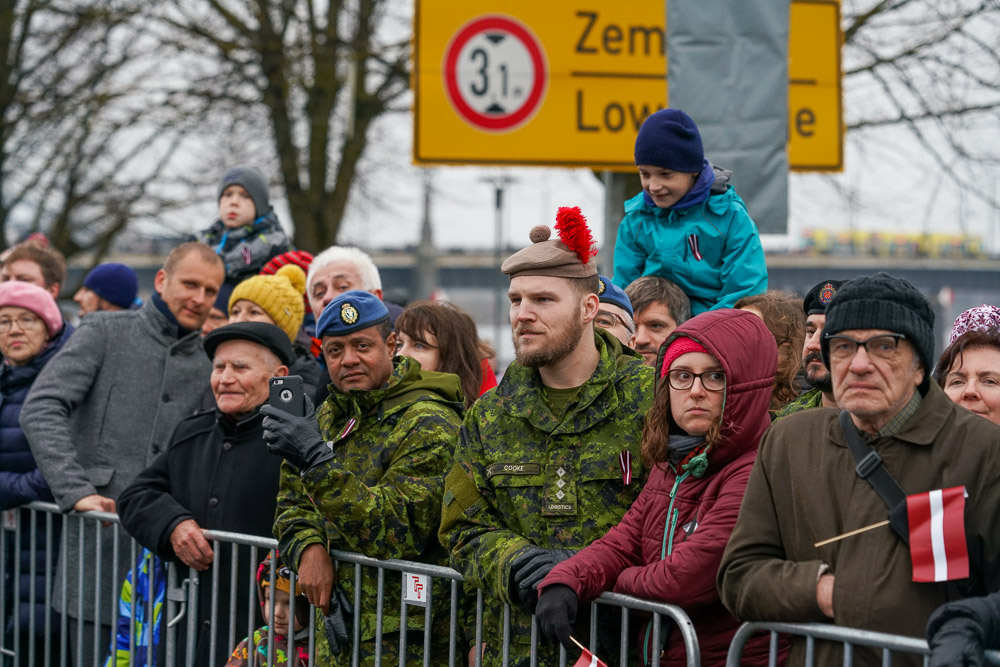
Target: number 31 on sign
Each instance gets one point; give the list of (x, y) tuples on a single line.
[(495, 73)]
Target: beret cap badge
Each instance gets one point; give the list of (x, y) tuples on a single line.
[(827, 293), (348, 314), (603, 286)]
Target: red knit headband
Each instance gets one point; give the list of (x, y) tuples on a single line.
[(680, 345)]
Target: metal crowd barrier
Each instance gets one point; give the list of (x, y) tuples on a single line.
[(812, 632), (51, 643), (848, 637)]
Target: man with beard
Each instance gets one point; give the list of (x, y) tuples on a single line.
[(549, 461), (816, 372)]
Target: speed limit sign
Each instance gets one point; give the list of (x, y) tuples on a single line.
[(495, 73)]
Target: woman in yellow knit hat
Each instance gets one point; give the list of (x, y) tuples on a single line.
[(278, 300)]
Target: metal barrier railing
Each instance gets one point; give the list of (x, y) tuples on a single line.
[(179, 611), (848, 637)]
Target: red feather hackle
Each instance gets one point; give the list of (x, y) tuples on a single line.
[(574, 233)]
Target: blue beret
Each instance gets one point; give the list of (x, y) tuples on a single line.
[(613, 294), (351, 311)]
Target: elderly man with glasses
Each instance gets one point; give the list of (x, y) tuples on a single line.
[(821, 474)]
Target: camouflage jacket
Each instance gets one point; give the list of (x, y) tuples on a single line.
[(523, 477), (380, 495), (811, 399)]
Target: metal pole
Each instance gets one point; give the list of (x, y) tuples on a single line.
[(500, 184)]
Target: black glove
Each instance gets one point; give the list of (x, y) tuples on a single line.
[(556, 614), (529, 569), (337, 623), (296, 438), (959, 632)]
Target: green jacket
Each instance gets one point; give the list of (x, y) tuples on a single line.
[(524, 477), (811, 399), (380, 495)]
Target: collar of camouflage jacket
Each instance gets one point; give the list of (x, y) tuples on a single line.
[(407, 384), (521, 389)]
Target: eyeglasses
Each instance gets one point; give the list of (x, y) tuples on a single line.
[(25, 323), (682, 380), (608, 320), (882, 346)]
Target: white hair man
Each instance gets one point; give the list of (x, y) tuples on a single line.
[(337, 270)]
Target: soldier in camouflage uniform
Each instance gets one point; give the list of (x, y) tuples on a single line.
[(368, 478), (549, 460), (817, 375)]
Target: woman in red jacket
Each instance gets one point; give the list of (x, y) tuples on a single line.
[(715, 375)]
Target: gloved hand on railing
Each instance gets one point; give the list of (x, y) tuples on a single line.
[(296, 438), (529, 569), (959, 632), (337, 623), (556, 614)]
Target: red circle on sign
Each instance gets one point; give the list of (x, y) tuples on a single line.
[(531, 45)]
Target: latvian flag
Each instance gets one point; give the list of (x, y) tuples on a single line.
[(588, 659), (937, 535)]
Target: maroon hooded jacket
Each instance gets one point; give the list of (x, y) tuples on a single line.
[(628, 558)]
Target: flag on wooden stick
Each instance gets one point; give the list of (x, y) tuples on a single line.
[(588, 659), (937, 535)]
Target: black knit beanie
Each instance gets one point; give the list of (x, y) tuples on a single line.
[(255, 184), (882, 301)]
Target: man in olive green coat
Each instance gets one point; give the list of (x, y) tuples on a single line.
[(365, 475), (804, 489), (548, 461)]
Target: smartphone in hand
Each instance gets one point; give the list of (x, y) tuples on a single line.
[(287, 393)]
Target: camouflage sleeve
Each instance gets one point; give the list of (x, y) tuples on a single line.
[(396, 517), (472, 528), (297, 522)]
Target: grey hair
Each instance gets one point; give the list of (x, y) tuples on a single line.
[(370, 279)]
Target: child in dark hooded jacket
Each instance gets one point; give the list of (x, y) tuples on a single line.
[(247, 234)]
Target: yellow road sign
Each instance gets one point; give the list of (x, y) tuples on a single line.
[(551, 83), (815, 117)]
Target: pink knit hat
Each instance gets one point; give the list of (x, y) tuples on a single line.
[(680, 345), (981, 318), (34, 298)]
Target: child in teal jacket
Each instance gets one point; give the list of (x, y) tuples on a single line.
[(687, 225)]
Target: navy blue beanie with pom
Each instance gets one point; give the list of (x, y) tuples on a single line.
[(670, 139)]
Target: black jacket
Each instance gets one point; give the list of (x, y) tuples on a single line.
[(220, 474)]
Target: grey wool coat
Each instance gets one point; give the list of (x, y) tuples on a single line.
[(97, 415)]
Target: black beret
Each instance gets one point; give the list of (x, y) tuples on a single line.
[(261, 333), (820, 296)]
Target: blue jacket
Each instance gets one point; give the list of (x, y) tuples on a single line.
[(662, 242), (149, 569), (21, 482)]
